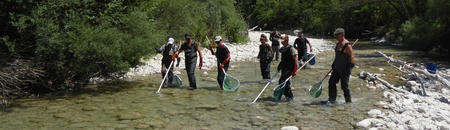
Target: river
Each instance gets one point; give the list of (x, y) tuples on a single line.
[(134, 104)]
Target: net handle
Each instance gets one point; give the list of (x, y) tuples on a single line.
[(165, 76)]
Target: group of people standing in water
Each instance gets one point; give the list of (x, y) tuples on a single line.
[(292, 56)]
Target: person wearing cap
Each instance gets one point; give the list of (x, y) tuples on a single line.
[(265, 56), (223, 59), (300, 45), (342, 67), (190, 49), (288, 66), (168, 50), (274, 38)]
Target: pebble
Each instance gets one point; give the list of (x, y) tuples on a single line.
[(380, 69), (289, 128), (411, 83)]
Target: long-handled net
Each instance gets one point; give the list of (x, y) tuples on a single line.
[(316, 90), (230, 84)]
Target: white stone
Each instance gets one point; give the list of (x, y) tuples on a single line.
[(373, 129), (372, 87), (289, 128), (380, 103), (411, 83), (380, 69), (374, 113), (364, 123)]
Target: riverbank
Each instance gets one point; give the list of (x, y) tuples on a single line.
[(407, 107)]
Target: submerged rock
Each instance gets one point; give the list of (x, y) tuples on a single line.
[(258, 120), (130, 116), (89, 108)]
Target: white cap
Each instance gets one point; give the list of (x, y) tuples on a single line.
[(171, 40), (218, 38)]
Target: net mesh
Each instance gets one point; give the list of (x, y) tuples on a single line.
[(175, 81), (278, 91), (230, 84), (316, 90)]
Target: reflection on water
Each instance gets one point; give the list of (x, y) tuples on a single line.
[(133, 105)]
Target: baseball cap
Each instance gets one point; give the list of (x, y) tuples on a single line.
[(171, 40), (339, 31), (187, 35), (218, 38)]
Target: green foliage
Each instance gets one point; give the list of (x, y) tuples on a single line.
[(76, 40), (200, 18), (400, 19), (430, 30)]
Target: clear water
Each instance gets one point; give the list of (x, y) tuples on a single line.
[(100, 107)]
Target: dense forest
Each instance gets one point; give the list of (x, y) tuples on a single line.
[(61, 44)]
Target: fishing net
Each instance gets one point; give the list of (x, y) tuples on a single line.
[(278, 91), (175, 81), (230, 84), (316, 90)]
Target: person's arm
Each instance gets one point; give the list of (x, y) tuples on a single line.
[(211, 49), (176, 53), (271, 36), (270, 48), (222, 65), (294, 71), (200, 54), (161, 49), (310, 47), (295, 44), (349, 51)]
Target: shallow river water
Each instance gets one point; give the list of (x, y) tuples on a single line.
[(134, 104)]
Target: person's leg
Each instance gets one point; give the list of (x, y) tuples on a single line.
[(267, 69), (190, 68), (344, 85), (163, 72), (284, 76), (288, 91), (332, 92), (170, 74), (262, 66), (220, 76), (276, 51)]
